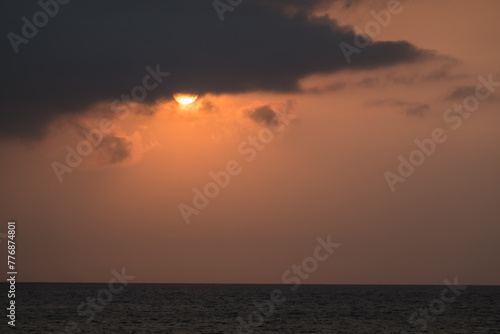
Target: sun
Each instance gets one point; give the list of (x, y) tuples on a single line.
[(183, 98)]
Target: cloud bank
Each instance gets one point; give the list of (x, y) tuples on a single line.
[(92, 52)]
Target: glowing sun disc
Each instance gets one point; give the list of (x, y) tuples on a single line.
[(185, 98)]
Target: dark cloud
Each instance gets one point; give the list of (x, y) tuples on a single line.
[(263, 114), (333, 87), (390, 78), (410, 108), (401, 79), (94, 51), (444, 73), (295, 6), (114, 149), (369, 82), (209, 107), (461, 92)]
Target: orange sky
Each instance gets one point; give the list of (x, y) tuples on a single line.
[(322, 175)]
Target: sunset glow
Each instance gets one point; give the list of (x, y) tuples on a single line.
[(286, 166), (185, 98)]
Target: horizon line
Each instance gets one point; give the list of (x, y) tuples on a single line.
[(282, 284)]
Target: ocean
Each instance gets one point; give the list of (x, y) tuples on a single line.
[(225, 308)]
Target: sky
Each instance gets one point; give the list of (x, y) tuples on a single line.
[(302, 129)]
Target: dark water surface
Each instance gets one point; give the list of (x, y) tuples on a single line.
[(178, 308)]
